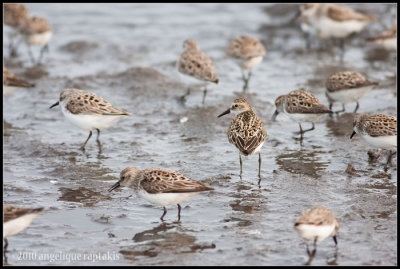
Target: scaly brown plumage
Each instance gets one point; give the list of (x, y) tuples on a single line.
[(88, 103), (161, 186), (15, 14), (9, 79), (247, 131)]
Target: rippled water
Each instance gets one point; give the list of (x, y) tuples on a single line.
[(127, 53)]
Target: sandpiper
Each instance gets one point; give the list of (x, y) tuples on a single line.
[(301, 106), (248, 53), (316, 224), (388, 39), (335, 21), (88, 111), (37, 31), (160, 186), (196, 64), (16, 219), (379, 130), (346, 87), (11, 82), (14, 16), (246, 132)]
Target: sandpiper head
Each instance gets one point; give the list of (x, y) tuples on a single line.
[(63, 96), (279, 103), (238, 106), (189, 44), (358, 123), (126, 177)]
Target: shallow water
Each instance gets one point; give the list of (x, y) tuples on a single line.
[(127, 54)]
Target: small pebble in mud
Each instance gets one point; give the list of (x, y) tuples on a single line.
[(184, 119), (111, 235), (350, 170)]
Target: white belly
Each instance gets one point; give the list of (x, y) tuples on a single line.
[(389, 43), (91, 122), (305, 117), (349, 95), (250, 63), (17, 225), (166, 198), (310, 232), (39, 39), (383, 142), (330, 28)]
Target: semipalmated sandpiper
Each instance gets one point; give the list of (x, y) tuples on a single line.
[(16, 219), (11, 82), (388, 39), (196, 64), (379, 130), (346, 87), (335, 21), (37, 31), (246, 132), (316, 224), (301, 106), (88, 111), (160, 186), (248, 53)]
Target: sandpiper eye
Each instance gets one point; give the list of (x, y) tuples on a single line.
[(236, 105)]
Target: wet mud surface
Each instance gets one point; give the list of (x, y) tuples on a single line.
[(127, 54)]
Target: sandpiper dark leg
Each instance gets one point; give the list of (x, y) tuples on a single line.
[(335, 239), (84, 144), (311, 255), (6, 245), (246, 80), (312, 128), (259, 164), (30, 54), (98, 141), (45, 48), (357, 106), (12, 47), (389, 161), (301, 132), (240, 159), (16, 45), (179, 212), (343, 109), (165, 212), (204, 95)]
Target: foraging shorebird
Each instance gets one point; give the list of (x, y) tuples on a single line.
[(248, 53), (196, 64), (160, 186), (246, 132), (88, 111)]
